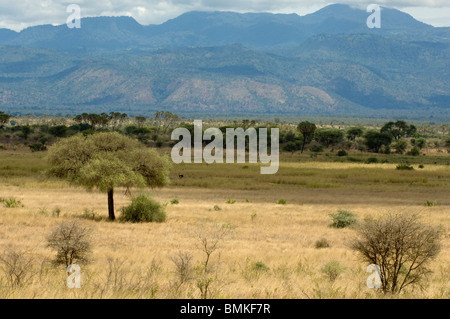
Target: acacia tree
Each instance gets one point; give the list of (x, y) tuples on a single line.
[(374, 140), (329, 136), (106, 161), (399, 129), (140, 121), (4, 118), (307, 129), (354, 132)]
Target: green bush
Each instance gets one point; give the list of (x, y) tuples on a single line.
[(372, 160), (332, 269), (415, 151), (322, 243), (230, 201), (405, 167), (259, 266), (430, 203), (281, 202), (400, 147), (341, 153), (143, 209), (447, 142), (175, 201), (316, 148), (354, 159), (11, 202), (90, 215), (343, 218), (37, 147)]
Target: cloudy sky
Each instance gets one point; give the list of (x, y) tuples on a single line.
[(18, 14)]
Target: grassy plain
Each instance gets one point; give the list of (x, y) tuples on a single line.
[(269, 250)]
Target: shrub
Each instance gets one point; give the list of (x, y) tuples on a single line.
[(17, 266), (259, 266), (209, 239), (72, 242), (400, 147), (322, 243), (421, 166), (447, 142), (43, 211), (343, 218), (56, 212), (184, 268), (11, 202), (217, 208), (332, 269), (415, 151), (420, 142), (230, 201), (143, 209), (281, 202), (341, 153), (37, 147), (175, 201), (401, 246), (405, 167), (430, 203), (292, 146), (316, 148), (354, 159), (372, 160), (90, 214)]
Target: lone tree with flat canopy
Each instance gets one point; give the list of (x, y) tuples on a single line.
[(106, 161)]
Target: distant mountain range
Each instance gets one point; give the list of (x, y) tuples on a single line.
[(325, 63)]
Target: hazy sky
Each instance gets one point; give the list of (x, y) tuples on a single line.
[(18, 14)]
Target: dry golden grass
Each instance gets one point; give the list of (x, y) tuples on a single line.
[(281, 237)]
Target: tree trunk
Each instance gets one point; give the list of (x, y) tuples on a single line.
[(111, 204), (303, 144)]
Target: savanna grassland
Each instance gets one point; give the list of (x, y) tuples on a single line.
[(266, 226)]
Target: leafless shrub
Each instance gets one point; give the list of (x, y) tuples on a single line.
[(209, 240), (183, 268), (122, 277), (401, 246), (17, 265), (72, 242), (116, 273)]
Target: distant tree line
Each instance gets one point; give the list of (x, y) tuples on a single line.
[(394, 136)]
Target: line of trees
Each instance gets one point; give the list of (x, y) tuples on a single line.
[(103, 119), (398, 136), (391, 135)]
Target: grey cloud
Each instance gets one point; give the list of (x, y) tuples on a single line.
[(20, 13)]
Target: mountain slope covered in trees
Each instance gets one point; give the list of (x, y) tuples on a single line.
[(326, 63)]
